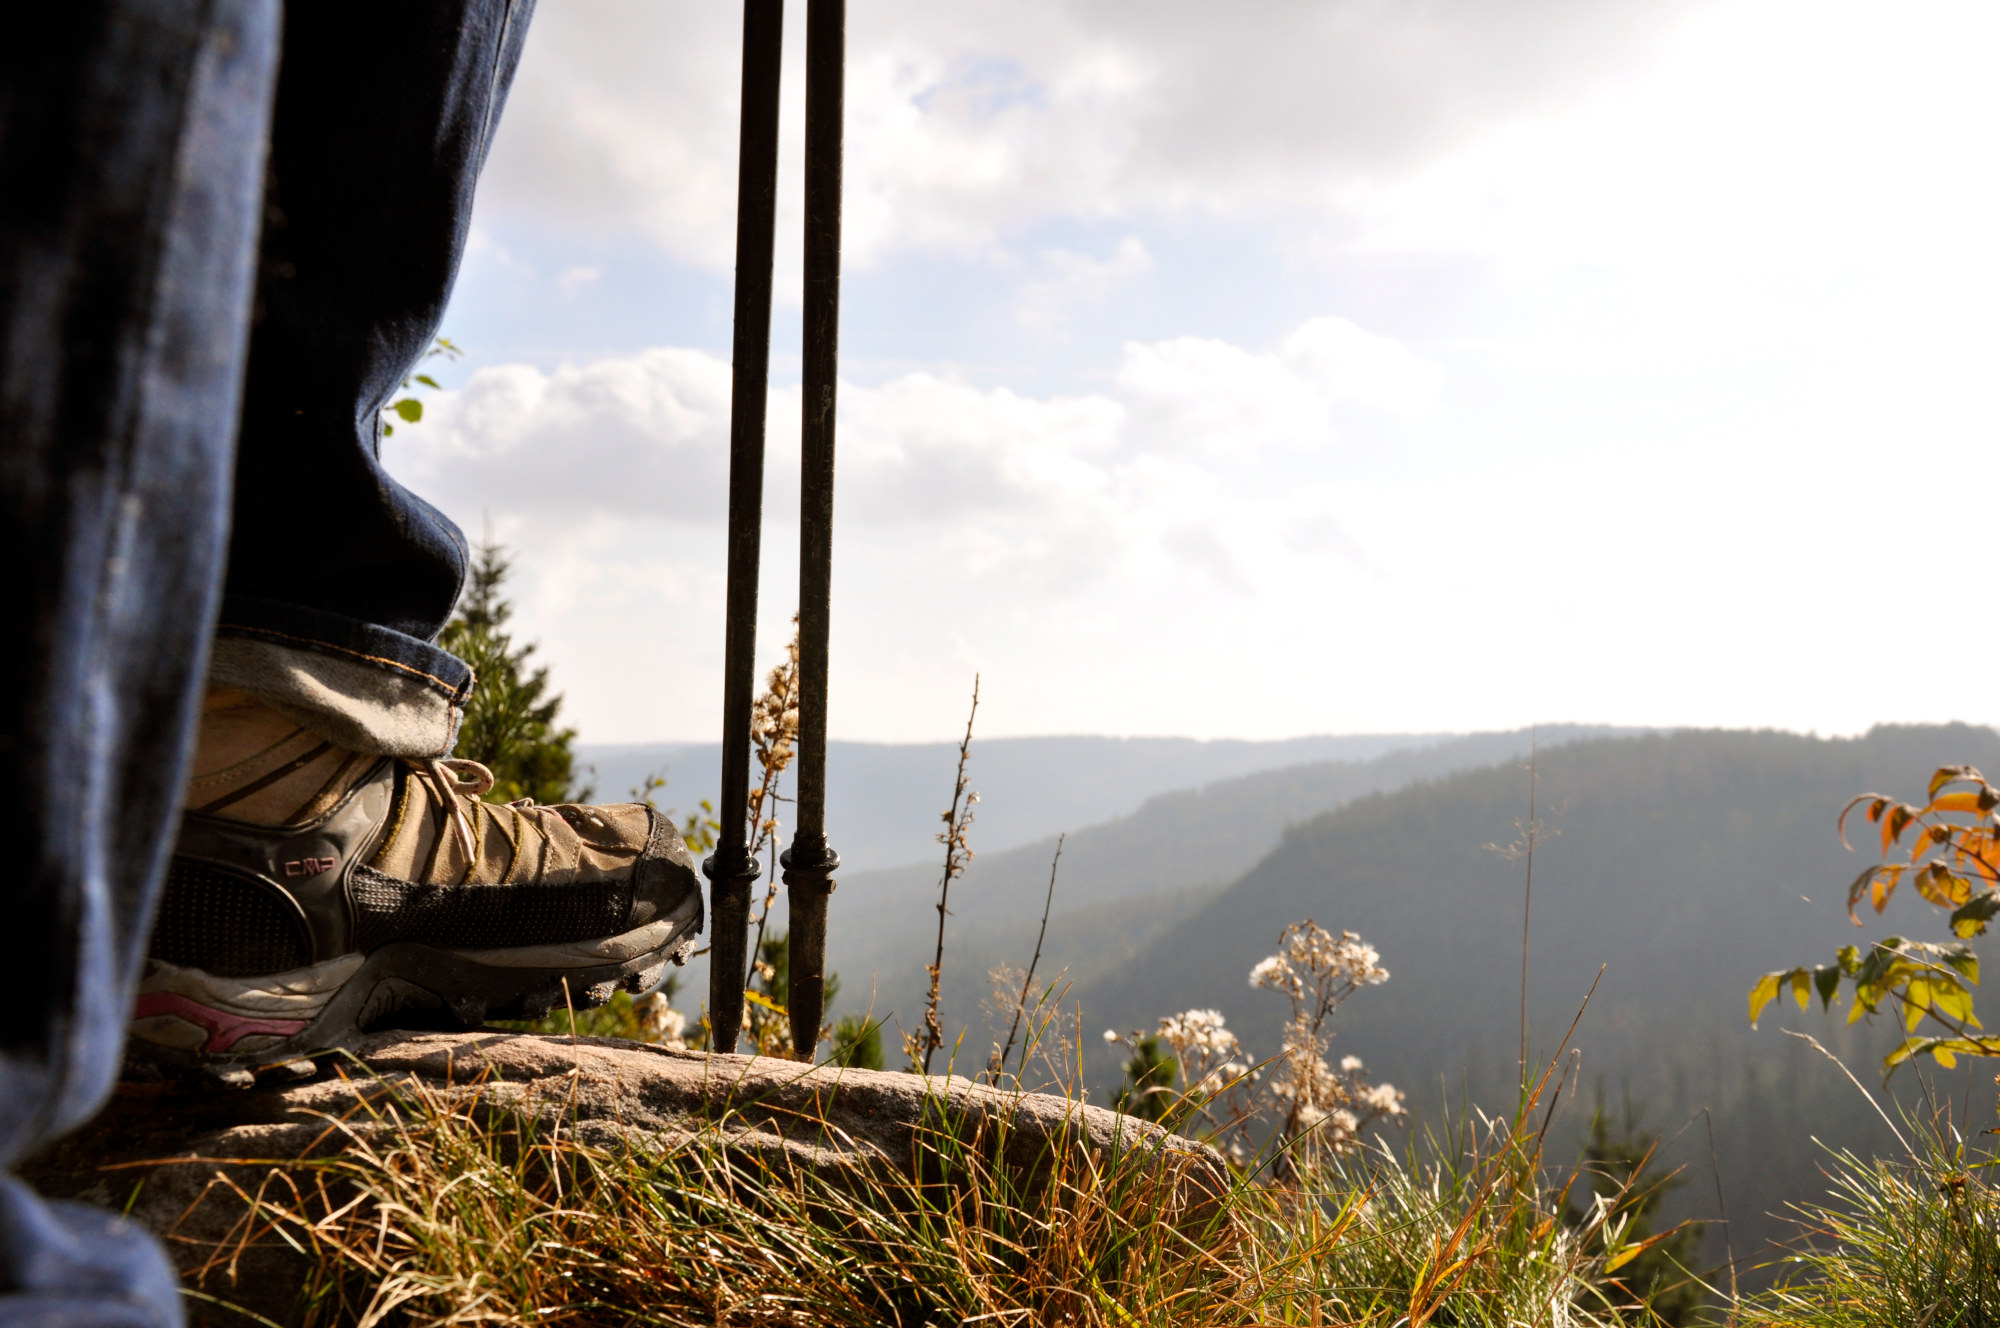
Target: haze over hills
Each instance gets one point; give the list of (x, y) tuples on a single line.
[(883, 799), (1686, 864), (1119, 883)]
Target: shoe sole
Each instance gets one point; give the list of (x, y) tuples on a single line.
[(190, 1023)]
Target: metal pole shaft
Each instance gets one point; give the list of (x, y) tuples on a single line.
[(809, 863), (731, 870)]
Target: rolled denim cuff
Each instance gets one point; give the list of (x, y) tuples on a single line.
[(357, 685)]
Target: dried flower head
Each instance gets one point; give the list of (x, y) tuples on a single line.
[(1197, 1031)]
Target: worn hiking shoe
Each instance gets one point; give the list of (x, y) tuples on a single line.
[(316, 894)]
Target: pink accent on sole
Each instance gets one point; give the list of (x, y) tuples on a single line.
[(225, 1030)]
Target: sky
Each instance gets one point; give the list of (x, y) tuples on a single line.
[(1277, 368)]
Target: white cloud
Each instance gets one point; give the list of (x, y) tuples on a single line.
[(1347, 363), (635, 435), (1676, 289), (1066, 281), (969, 121), (978, 502), (645, 437)]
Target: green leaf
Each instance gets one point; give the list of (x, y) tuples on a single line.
[(1961, 960), (410, 409), (1801, 980), (427, 380), (1827, 978), (1971, 917), (1944, 1050)]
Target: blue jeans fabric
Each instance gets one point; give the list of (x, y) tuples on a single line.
[(145, 147)]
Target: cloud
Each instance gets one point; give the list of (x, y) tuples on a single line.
[(1068, 281), (1172, 464), (641, 435), (1669, 283), (1347, 364), (969, 122)]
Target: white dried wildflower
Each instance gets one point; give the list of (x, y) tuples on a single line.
[(1110, 1035), (668, 1024), (1349, 1064), (1198, 1031), (1342, 1123), (1385, 1098), (1273, 973), (1358, 961), (1309, 1116)]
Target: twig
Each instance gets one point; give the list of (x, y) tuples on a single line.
[(1530, 833), (1728, 1247), (770, 898), (956, 853), (1528, 896), (1028, 982)]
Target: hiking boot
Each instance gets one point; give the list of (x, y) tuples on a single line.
[(316, 894)]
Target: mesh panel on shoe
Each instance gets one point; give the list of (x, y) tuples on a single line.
[(483, 917), (226, 923)]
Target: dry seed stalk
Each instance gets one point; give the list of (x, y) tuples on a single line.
[(957, 853), (774, 735), (1028, 982)]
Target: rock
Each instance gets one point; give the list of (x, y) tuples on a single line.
[(181, 1162)]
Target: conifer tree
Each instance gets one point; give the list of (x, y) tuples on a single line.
[(510, 723)]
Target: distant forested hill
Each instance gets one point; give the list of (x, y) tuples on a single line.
[(1121, 882), (1685, 865), (883, 798)]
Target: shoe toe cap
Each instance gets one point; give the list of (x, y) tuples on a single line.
[(665, 882)]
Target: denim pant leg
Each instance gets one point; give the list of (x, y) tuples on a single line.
[(339, 577), (131, 156)]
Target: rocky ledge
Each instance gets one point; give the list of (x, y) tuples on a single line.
[(179, 1162)]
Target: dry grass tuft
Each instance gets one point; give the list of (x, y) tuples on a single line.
[(443, 1210)]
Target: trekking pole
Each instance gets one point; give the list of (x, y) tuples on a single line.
[(730, 869), (809, 863)]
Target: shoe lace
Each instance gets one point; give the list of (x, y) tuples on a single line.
[(456, 778)]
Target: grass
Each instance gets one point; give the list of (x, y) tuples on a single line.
[(1907, 1242), (442, 1211)]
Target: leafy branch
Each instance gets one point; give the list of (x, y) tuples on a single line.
[(410, 409), (1948, 849)]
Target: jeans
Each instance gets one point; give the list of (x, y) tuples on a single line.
[(227, 231)]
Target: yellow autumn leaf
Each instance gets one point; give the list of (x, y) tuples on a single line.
[(1916, 1000), (1762, 994), (1955, 802)]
